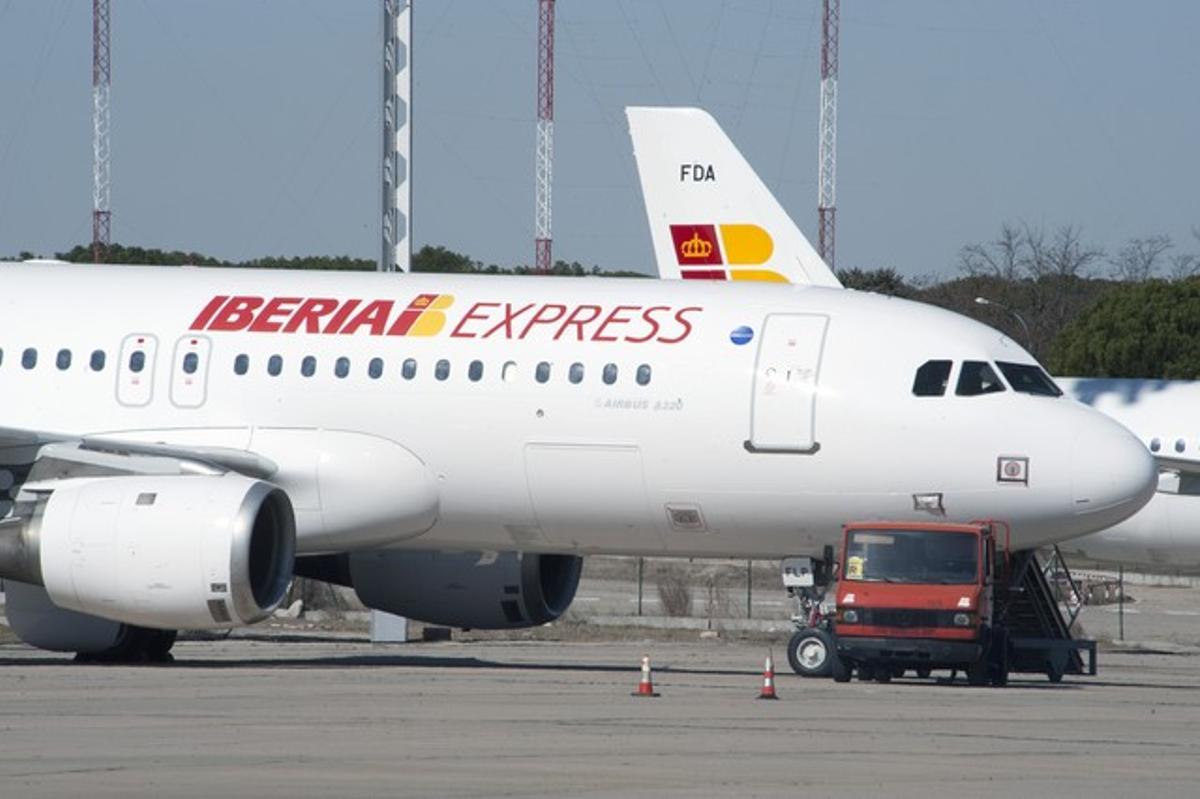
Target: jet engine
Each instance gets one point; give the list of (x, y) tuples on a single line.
[(471, 590), (176, 551)]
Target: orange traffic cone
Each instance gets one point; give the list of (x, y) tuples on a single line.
[(646, 686), (768, 686)]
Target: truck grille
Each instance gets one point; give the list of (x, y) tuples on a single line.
[(904, 617)]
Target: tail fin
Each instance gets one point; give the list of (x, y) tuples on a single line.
[(711, 217)]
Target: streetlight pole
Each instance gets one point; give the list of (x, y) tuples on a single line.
[(1015, 315)]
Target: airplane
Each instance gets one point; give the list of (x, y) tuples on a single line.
[(696, 183), (176, 443), (1164, 535)]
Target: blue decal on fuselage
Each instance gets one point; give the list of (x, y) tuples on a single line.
[(741, 335)]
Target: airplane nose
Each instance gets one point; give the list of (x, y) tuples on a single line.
[(1114, 474)]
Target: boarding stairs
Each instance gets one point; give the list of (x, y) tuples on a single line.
[(1039, 617)]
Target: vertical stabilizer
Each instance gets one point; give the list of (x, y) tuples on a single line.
[(711, 217)]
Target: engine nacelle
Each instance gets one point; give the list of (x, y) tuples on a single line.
[(467, 589), (177, 551)]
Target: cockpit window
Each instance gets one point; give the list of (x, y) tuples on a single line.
[(931, 379), (1029, 378), (977, 377)]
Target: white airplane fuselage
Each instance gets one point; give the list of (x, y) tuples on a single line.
[(696, 426), (1165, 534)]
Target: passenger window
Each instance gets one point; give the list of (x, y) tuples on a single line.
[(542, 373), (97, 361), (932, 378), (643, 374), (509, 372), (275, 365), (375, 368), (442, 370), (575, 373), (610, 373), (1179, 445), (191, 362), (475, 371), (1155, 445), (1029, 378), (341, 367), (308, 366), (241, 364), (1, 356), (409, 369), (63, 361), (137, 361), (29, 358), (977, 377)]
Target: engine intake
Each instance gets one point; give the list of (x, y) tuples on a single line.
[(177, 551)]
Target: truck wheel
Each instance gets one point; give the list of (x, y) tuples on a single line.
[(999, 675), (977, 672), (883, 674), (810, 652), (839, 667), (923, 672), (866, 672)]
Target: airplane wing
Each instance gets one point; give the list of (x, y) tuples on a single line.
[(711, 217), (71, 453)]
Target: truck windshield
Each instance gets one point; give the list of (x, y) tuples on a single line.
[(912, 556)]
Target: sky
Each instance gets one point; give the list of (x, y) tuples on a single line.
[(248, 128)]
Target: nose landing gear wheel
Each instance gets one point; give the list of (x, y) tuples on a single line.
[(810, 652)]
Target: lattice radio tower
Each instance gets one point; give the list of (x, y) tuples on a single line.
[(101, 153), (543, 166), (826, 201), (396, 114)]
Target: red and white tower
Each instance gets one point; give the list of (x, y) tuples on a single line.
[(101, 154), (544, 157), (826, 204)]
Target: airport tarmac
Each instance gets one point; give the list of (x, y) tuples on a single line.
[(337, 717)]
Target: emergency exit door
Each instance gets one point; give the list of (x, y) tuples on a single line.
[(786, 374)]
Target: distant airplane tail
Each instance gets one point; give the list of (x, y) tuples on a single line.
[(711, 217)]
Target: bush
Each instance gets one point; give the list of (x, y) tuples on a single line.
[(674, 592)]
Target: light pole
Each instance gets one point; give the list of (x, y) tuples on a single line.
[(1017, 316)]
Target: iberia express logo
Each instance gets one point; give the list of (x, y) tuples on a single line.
[(424, 316), (429, 315), (704, 251)]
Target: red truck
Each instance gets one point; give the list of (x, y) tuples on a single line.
[(939, 596)]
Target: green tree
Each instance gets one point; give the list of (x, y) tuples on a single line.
[(881, 281), (1147, 330)]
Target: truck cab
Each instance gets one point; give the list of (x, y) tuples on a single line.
[(918, 596)]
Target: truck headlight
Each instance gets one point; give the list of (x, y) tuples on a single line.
[(850, 616), (963, 619)]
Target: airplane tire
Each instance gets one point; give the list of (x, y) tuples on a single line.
[(810, 652), (136, 645)]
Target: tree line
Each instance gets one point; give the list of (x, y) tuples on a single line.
[(1081, 310)]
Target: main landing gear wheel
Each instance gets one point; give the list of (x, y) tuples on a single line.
[(810, 652), (135, 645)]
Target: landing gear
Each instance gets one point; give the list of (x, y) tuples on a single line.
[(135, 645), (811, 648)]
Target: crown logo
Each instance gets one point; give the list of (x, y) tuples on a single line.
[(696, 247)]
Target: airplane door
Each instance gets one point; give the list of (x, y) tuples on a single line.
[(135, 372), (788, 366), (189, 371)]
